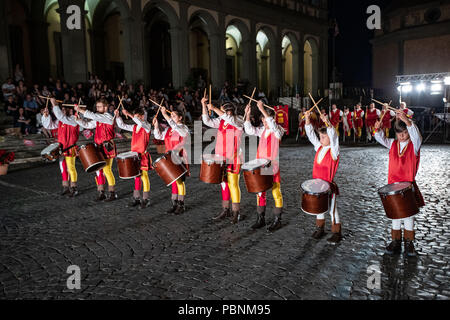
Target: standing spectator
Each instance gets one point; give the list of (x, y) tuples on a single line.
[(18, 74), (8, 88)]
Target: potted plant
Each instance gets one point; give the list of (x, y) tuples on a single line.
[(5, 159)]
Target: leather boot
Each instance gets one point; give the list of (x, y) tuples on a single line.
[(336, 237), (111, 197), (225, 213), (73, 192), (395, 247), (134, 203), (409, 236), (276, 224), (260, 218), (174, 206), (180, 208), (237, 215), (65, 190), (100, 196), (144, 203), (320, 230)]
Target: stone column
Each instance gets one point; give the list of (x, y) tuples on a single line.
[(217, 54), (133, 43), (40, 62), (301, 65), (249, 62), (275, 66), (324, 83), (179, 40), (4, 56), (73, 44)]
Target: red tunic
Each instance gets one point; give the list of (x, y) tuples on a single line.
[(68, 136), (139, 144), (268, 148), (228, 142), (358, 118), (349, 120), (403, 167), (173, 140), (325, 170), (335, 117), (387, 123), (105, 133), (372, 117)]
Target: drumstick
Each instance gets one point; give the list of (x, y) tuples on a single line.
[(265, 105), (210, 112), (48, 98), (385, 104), (317, 107), (318, 102), (160, 108), (204, 94), (156, 103), (73, 105), (249, 103)]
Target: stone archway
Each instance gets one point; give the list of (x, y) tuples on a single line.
[(238, 33), (290, 58), (311, 66)]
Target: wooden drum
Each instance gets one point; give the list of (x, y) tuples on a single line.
[(212, 169), (91, 158), (258, 175), (399, 200), (169, 170), (129, 165), (316, 196)]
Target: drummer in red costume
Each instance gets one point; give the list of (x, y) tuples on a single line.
[(372, 116), (404, 159), (358, 120), (336, 117), (347, 121), (228, 142), (175, 137), (301, 123), (139, 142), (103, 123), (68, 133), (407, 111), (325, 167), (386, 124), (270, 135)]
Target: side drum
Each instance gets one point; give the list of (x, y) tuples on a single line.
[(129, 165), (212, 169), (315, 196), (52, 152), (258, 175), (168, 170), (91, 158), (399, 200)]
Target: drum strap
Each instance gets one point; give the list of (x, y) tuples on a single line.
[(68, 148)]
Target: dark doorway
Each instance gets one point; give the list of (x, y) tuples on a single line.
[(17, 50), (160, 52)]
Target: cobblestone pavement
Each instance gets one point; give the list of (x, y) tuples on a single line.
[(127, 253)]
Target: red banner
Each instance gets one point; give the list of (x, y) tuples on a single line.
[(282, 117)]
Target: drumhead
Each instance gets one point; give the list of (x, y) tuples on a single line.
[(213, 158), (255, 164), (129, 154), (395, 188), (50, 148), (159, 159), (316, 186)]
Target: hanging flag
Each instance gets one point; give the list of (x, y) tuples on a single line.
[(282, 117)]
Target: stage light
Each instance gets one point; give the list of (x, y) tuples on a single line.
[(399, 88), (436, 81), (421, 87), (407, 88), (447, 81), (437, 87), (405, 83), (445, 100)]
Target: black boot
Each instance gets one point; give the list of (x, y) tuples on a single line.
[(237, 217), (180, 208), (224, 214), (73, 192), (174, 206), (260, 218), (276, 224), (395, 247), (101, 196), (111, 197), (410, 251), (319, 233), (144, 203), (64, 191), (134, 203)]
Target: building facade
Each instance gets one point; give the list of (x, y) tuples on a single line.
[(272, 44), (415, 39)]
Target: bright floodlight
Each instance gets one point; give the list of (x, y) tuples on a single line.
[(437, 87), (421, 87), (447, 81), (406, 89), (399, 88)]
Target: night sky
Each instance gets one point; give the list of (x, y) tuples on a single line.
[(353, 48)]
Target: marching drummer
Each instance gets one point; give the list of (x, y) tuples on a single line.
[(68, 133), (174, 138), (228, 141), (139, 142), (404, 159), (325, 167), (270, 135), (103, 123)]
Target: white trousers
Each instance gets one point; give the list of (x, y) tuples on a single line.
[(335, 216), (408, 222)]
